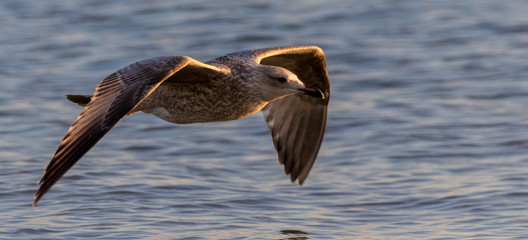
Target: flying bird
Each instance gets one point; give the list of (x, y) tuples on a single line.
[(290, 85)]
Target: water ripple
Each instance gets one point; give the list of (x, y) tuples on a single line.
[(425, 135)]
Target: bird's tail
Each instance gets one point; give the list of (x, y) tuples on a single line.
[(81, 100)]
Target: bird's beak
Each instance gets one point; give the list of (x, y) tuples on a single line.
[(313, 91)]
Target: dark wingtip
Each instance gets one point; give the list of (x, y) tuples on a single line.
[(39, 194), (44, 186), (35, 202), (300, 180)]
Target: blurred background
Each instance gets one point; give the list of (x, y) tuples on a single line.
[(427, 134)]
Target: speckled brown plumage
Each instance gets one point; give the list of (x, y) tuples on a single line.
[(289, 84)]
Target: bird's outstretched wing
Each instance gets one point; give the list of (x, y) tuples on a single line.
[(297, 122), (116, 96)]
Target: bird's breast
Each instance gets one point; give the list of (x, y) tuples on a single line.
[(184, 104)]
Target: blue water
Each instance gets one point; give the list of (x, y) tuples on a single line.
[(427, 133)]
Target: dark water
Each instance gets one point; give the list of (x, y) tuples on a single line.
[(427, 133)]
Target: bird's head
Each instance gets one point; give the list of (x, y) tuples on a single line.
[(277, 82)]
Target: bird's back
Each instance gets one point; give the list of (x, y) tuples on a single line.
[(222, 99)]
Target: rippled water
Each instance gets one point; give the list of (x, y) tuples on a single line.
[(427, 133)]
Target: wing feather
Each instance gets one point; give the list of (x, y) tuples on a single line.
[(297, 122), (114, 97)]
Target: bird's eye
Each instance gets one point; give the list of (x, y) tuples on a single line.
[(281, 79)]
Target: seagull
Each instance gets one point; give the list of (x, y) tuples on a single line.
[(290, 85)]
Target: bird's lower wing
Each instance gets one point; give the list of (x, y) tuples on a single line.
[(297, 125), (297, 122), (114, 97)]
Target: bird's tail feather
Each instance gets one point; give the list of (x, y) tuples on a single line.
[(81, 100)]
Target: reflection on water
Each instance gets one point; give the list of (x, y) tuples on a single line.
[(294, 235), (426, 135)]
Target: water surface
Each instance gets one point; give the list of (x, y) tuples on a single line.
[(427, 134)]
